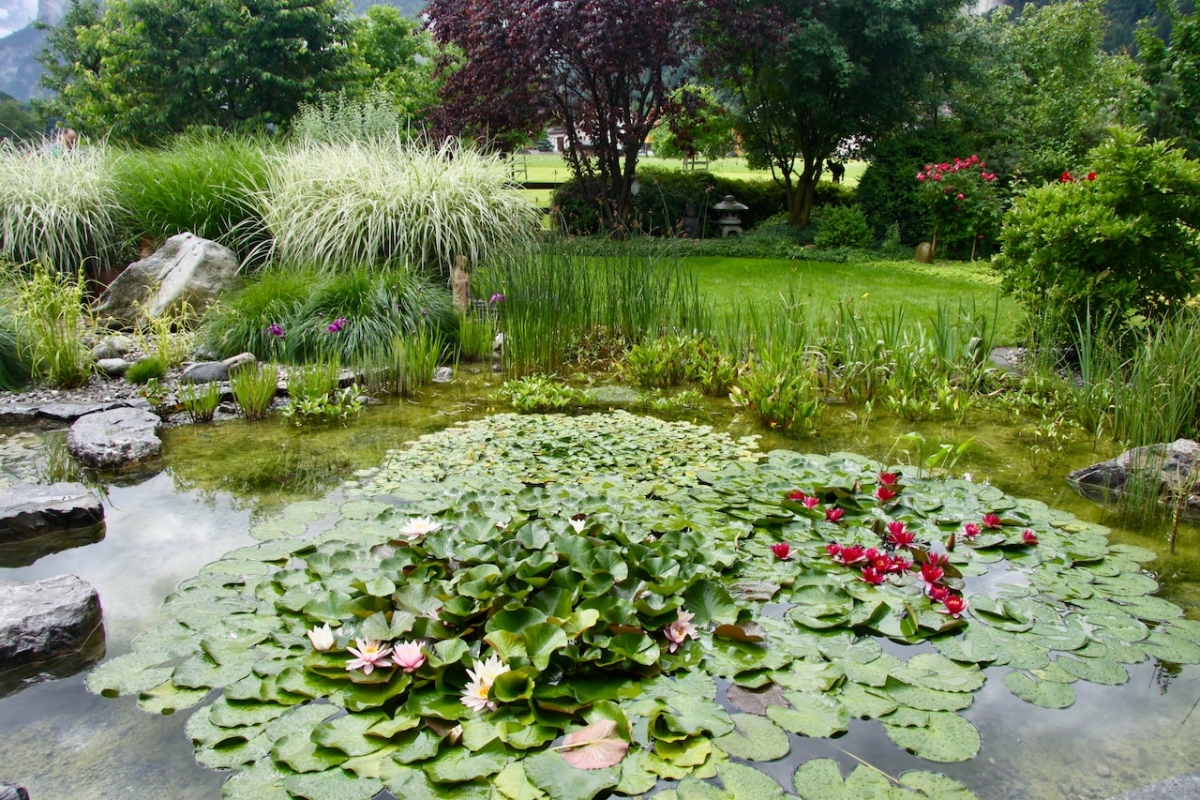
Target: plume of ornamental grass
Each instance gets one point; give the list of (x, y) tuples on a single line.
[(61, 209), (336, 205)]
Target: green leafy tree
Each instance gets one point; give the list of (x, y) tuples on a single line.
[(1048, 90), (149, 68), (1122, 238), (1171, 107), (392, 54), (705, 128), (17, 122), (804, 77)]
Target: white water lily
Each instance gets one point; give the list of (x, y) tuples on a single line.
[(475, 696), (578, 524), (417, 527), (321, 638)]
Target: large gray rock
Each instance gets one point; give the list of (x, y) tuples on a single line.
[(117, 438), (10, 791), (1171, 470), (69, 412), (187, 269), (206, 372), (45, 620), (27, 512)]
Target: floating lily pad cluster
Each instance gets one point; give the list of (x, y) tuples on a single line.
[(531, 607)]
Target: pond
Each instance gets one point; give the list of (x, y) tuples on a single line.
[(218, 481)]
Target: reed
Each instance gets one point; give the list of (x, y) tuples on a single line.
[(50, 314), (254, 387), (200, 401)]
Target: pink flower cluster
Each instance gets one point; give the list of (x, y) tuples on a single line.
[(876, 565), (935, 172)]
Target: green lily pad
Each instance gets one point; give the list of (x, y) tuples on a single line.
[(947, 738), (1041, 693), (814, 715), (755, 738)]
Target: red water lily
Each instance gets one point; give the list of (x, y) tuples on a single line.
[(937, 592), (796, 494), (833, 514), (782, 550), (849, 554), (873, 576), (899, 564), (970, 530), (954, 605), (931, 574), (883, 494), (888, 478), (834, 549), (899, 535), (811, 502), (992, 521), (1029, 537), (937, 559)]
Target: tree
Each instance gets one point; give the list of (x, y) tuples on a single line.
[(393, 55), (1171, 106), (16, 122), (804, 77), (149, 68), (603, 69)]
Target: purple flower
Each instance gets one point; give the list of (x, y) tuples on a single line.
[(275, 330), (496, 298), (337, 325)]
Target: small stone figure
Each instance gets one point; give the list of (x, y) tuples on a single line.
[(689, 225), (460, 285), (837, 170)]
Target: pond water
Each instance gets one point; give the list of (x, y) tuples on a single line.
[(62, 742)]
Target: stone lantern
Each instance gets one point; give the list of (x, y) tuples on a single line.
[(729, 220)]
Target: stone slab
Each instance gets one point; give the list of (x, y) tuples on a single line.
[(27, 512)]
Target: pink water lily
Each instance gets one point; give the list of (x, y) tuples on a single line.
[(992, 521), (408, 656), (680, 630), (371, 654), (954, 605), (833, 514), (970, 530), (811, 502), (888, 478), (1029, 537), (782, 550)]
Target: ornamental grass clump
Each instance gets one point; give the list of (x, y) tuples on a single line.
[(51, 317), (358, 202), (200, 401), (254, 387), (62, 208)]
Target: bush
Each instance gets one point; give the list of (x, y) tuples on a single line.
[(197, 184), (888, 192), (339, 118), (963, 205), (843, 226), (1121, 239), (140, 372), (49, 313)]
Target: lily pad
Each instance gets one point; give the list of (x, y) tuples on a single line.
[(755, 738), (1041, 693), (947, 738)]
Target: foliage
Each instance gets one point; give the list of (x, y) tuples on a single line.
[(223, 64), (1120, 240), (17, 122), (50, 314), (14, 365), (343, 118), (962, 201), (780, 390), (407, 362), (336, 405), (61, 208), (141, 371), (313, 381), (541, 393), (337, 205), (476, 335), (500, 611), (704, 131), (254, 387), (1171, 70), (659, 363), (393, 57), (200, 401), (200, 184), (605, 70), (1048, 91), (844, 226), (804, 78)]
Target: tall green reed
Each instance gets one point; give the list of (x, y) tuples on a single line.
[(51, 316)]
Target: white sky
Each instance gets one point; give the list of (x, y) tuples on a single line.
[(16, 14)]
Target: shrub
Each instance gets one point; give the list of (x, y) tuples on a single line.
[(339, 205), (196, 184), (140, 372), (49, 313), (1120, 239), (843, 226), (62, 209), (963, 204), (338, 118)]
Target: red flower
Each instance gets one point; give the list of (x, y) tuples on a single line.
[(1066, 177), (833, 514), (899, 564), (937, 176), (1029, 537), (920, 176), (782, 550), (873, 576), (931, 574), (881, 563), (796, 494), (899, 534), (992, 521), (834, 549), (960, 196), (1091, 176), (852, 554), (937, 592), (970, 530), (811, 502), (974, 159), (883, 494), (937, 559), (954, 605), (888, 478)]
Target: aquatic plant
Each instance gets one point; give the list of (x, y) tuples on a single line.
[(541, 393), (200, 402), (523, 581), (254, 387), (52, 320)]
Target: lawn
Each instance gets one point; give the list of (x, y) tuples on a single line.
[(550, 168), (875, 287)]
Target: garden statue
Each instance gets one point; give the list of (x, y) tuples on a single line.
[(837, 170), (924, 254), (689, 224), (460, 285)]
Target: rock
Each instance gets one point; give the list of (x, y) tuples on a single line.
[(30, 511), (1173, 470), (45, 620), (113, 367), (206, 372), (122, 344), (69, 412), (924, 254), (186, 270), (17, 412), (104, 351), (443, 375), (10, 791), (117, 438), (234, 363)]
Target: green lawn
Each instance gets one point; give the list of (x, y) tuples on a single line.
[(548, 167), (875, 287)]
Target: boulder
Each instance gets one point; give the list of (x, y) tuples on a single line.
[(117, 438), (17, 412), (443, 375), (69, 412), (27, 511), (234, 363), (206, 372), (113, 367), (187, 269), (1173, 470), (45, 620)]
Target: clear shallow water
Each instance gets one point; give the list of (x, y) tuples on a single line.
[(63, 743)]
